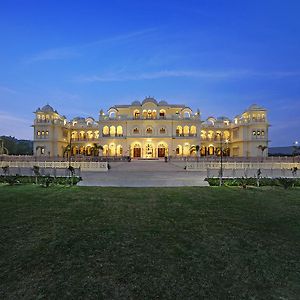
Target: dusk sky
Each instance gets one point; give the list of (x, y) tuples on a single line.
[(218, 56)]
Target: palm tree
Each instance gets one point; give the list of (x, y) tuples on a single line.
[(97, 149), (262, 149)]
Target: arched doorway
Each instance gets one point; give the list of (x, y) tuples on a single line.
[(137, 150), (162, 150)]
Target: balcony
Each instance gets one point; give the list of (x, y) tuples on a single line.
[(112, 135), (186, 135), (79, 139)]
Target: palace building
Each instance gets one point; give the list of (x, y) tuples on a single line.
[(150, 129)]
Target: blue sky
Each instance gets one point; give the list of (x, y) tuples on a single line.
[(218, 56)]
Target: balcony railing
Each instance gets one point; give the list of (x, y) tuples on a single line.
[(186, 135), (79, 139), (112, 135)]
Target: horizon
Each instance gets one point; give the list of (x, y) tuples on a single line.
[(220, 57)]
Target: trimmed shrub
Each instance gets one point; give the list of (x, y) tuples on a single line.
[(43, 180), (251, 181)]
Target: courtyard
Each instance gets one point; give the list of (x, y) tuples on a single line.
[(137, 243)]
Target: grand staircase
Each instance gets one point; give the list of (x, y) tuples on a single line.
[(145, 166)]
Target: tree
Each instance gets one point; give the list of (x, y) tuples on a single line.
[(67, 149), (262, 149)]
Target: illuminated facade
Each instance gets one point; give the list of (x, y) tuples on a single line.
[(150, 129)]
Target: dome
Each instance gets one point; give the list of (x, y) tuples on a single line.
[(149, 99), (222, 119), (47, 108), (79, 119), (162, 103), (136, 103)]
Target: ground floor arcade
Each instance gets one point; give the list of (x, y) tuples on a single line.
[(148, 148)]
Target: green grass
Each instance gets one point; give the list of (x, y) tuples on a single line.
[(149, 243)]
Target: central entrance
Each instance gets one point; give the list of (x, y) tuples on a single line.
[(149, 151), (161, 152)]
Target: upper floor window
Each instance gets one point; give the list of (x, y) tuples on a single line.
[(136, 131), (254, 132), (112, 115), (149, 130), (162, 131), (136, 114), (186, 115), (162, 114)]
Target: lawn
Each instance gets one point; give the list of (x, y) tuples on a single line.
[(149, 243)]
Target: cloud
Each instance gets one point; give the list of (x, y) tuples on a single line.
[(6, 89), (76, 51), (229, 74), (54, 54)]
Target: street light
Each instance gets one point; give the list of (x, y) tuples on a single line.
[(296, 149)]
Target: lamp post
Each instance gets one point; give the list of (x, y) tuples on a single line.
[(296, 149)]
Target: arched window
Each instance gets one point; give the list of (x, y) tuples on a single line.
[(162, 131), (186, 130), (193, 130), (136, 114), (203, 134), (179, 150), (119, 150), (112, 115), (105, 131), (149, 116), (203, 151), (119, 131), (136, 130), (211, 150), (144, 114), (186, 115), (226, 135), (105, 150), (112, 130), (96, 134), (179, 130), (210, 134), (162, 114), (149, 130), (112, 149)]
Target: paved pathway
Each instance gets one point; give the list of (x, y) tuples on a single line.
[(143, 173)]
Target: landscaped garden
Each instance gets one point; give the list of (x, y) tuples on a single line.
[(144, 243)]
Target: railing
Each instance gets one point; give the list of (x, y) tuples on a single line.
[(186, 135), (84, 166), (112, 135), (171, 117), (84, 139)]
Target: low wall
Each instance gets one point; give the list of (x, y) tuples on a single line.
[(242, 169), (84, 166)]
